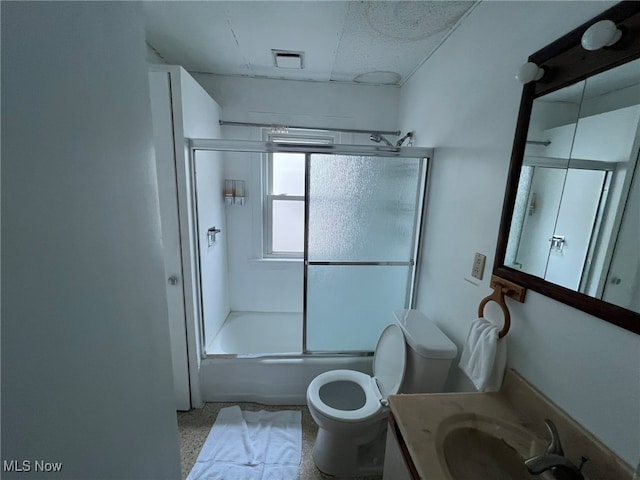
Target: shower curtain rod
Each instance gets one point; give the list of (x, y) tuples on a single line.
[(328, 129)]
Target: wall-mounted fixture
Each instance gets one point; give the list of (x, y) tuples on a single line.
[(557, 243), (211, 236), (376, 137), (529, 72), (234, 192), (533, 203), (544, 143), (601, 34), (409, 136), (502, 288)]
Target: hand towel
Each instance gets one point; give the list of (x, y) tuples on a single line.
[(484, 356)]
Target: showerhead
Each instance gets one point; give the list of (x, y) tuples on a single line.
[(374, 137)]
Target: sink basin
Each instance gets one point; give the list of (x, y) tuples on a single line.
[(476, 447), (471, 453)]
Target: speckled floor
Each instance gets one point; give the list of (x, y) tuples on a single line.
[(194, 426)]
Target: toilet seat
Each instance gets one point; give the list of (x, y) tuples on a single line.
[(389, 361), (371, 407)]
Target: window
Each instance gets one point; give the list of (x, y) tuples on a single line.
[(284, 202)]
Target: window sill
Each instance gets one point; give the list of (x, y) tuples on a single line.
[(276, 262)]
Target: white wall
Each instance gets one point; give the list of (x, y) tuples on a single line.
[(86, 370), (266, 285), (201, 115), (213, 258), (152, 55), (198, 115), (181, 109), (464, 101), (255, 285), (309, 104)]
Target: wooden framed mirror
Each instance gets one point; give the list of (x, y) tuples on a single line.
[(570, 225)]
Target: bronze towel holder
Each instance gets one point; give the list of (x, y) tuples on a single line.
[(502, 287)]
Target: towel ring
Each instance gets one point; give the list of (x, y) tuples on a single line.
[(498, 297)]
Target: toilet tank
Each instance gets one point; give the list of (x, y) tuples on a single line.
[(429, 353)]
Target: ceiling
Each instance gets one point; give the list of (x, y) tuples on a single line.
[(377, 42)]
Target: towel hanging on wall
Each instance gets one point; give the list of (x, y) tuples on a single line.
[(484, 356)]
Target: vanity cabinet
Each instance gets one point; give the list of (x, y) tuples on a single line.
[(397, 461), (483, 436)]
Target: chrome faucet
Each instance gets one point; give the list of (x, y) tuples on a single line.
[(554, 460)]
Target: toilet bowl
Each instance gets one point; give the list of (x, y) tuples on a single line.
[(351, 408)]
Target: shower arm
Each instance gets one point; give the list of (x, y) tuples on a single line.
[(376, 137), (409, 135)]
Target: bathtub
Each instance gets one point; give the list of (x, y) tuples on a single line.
[(268, 365), (258, 333)]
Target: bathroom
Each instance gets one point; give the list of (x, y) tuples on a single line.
[(464, 101)]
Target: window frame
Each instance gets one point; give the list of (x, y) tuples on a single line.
[(313, 137)]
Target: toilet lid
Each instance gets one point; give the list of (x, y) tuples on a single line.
[(390, 360)]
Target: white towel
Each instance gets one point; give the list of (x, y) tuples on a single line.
[(484, 356), (251, 446)]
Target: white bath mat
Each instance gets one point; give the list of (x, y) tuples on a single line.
[(251, 446)]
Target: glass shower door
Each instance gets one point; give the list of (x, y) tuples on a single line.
[(363, 215)]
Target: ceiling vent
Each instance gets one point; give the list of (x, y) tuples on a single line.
[(288, 59)]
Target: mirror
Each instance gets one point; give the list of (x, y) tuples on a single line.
[(569, 224), (571, 221)]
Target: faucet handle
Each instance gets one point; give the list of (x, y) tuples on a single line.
[(555, 447)]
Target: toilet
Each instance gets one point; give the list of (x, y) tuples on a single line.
[(351, 408)]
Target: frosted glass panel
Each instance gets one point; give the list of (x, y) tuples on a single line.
[(288, 226), (362, 209), (349, 306)]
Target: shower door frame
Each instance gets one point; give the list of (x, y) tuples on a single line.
[(254, 146)]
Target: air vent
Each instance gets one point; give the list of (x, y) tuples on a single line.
[(288, 59)]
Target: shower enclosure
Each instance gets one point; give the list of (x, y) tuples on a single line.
[(363, 209)]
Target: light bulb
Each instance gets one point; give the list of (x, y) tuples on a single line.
[(601, 34), (529, 72)]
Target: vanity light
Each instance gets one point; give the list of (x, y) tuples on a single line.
[(529, 72), (601, 34)]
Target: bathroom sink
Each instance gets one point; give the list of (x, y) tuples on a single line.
[(488, 436), (470, 453), (476, 447)]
